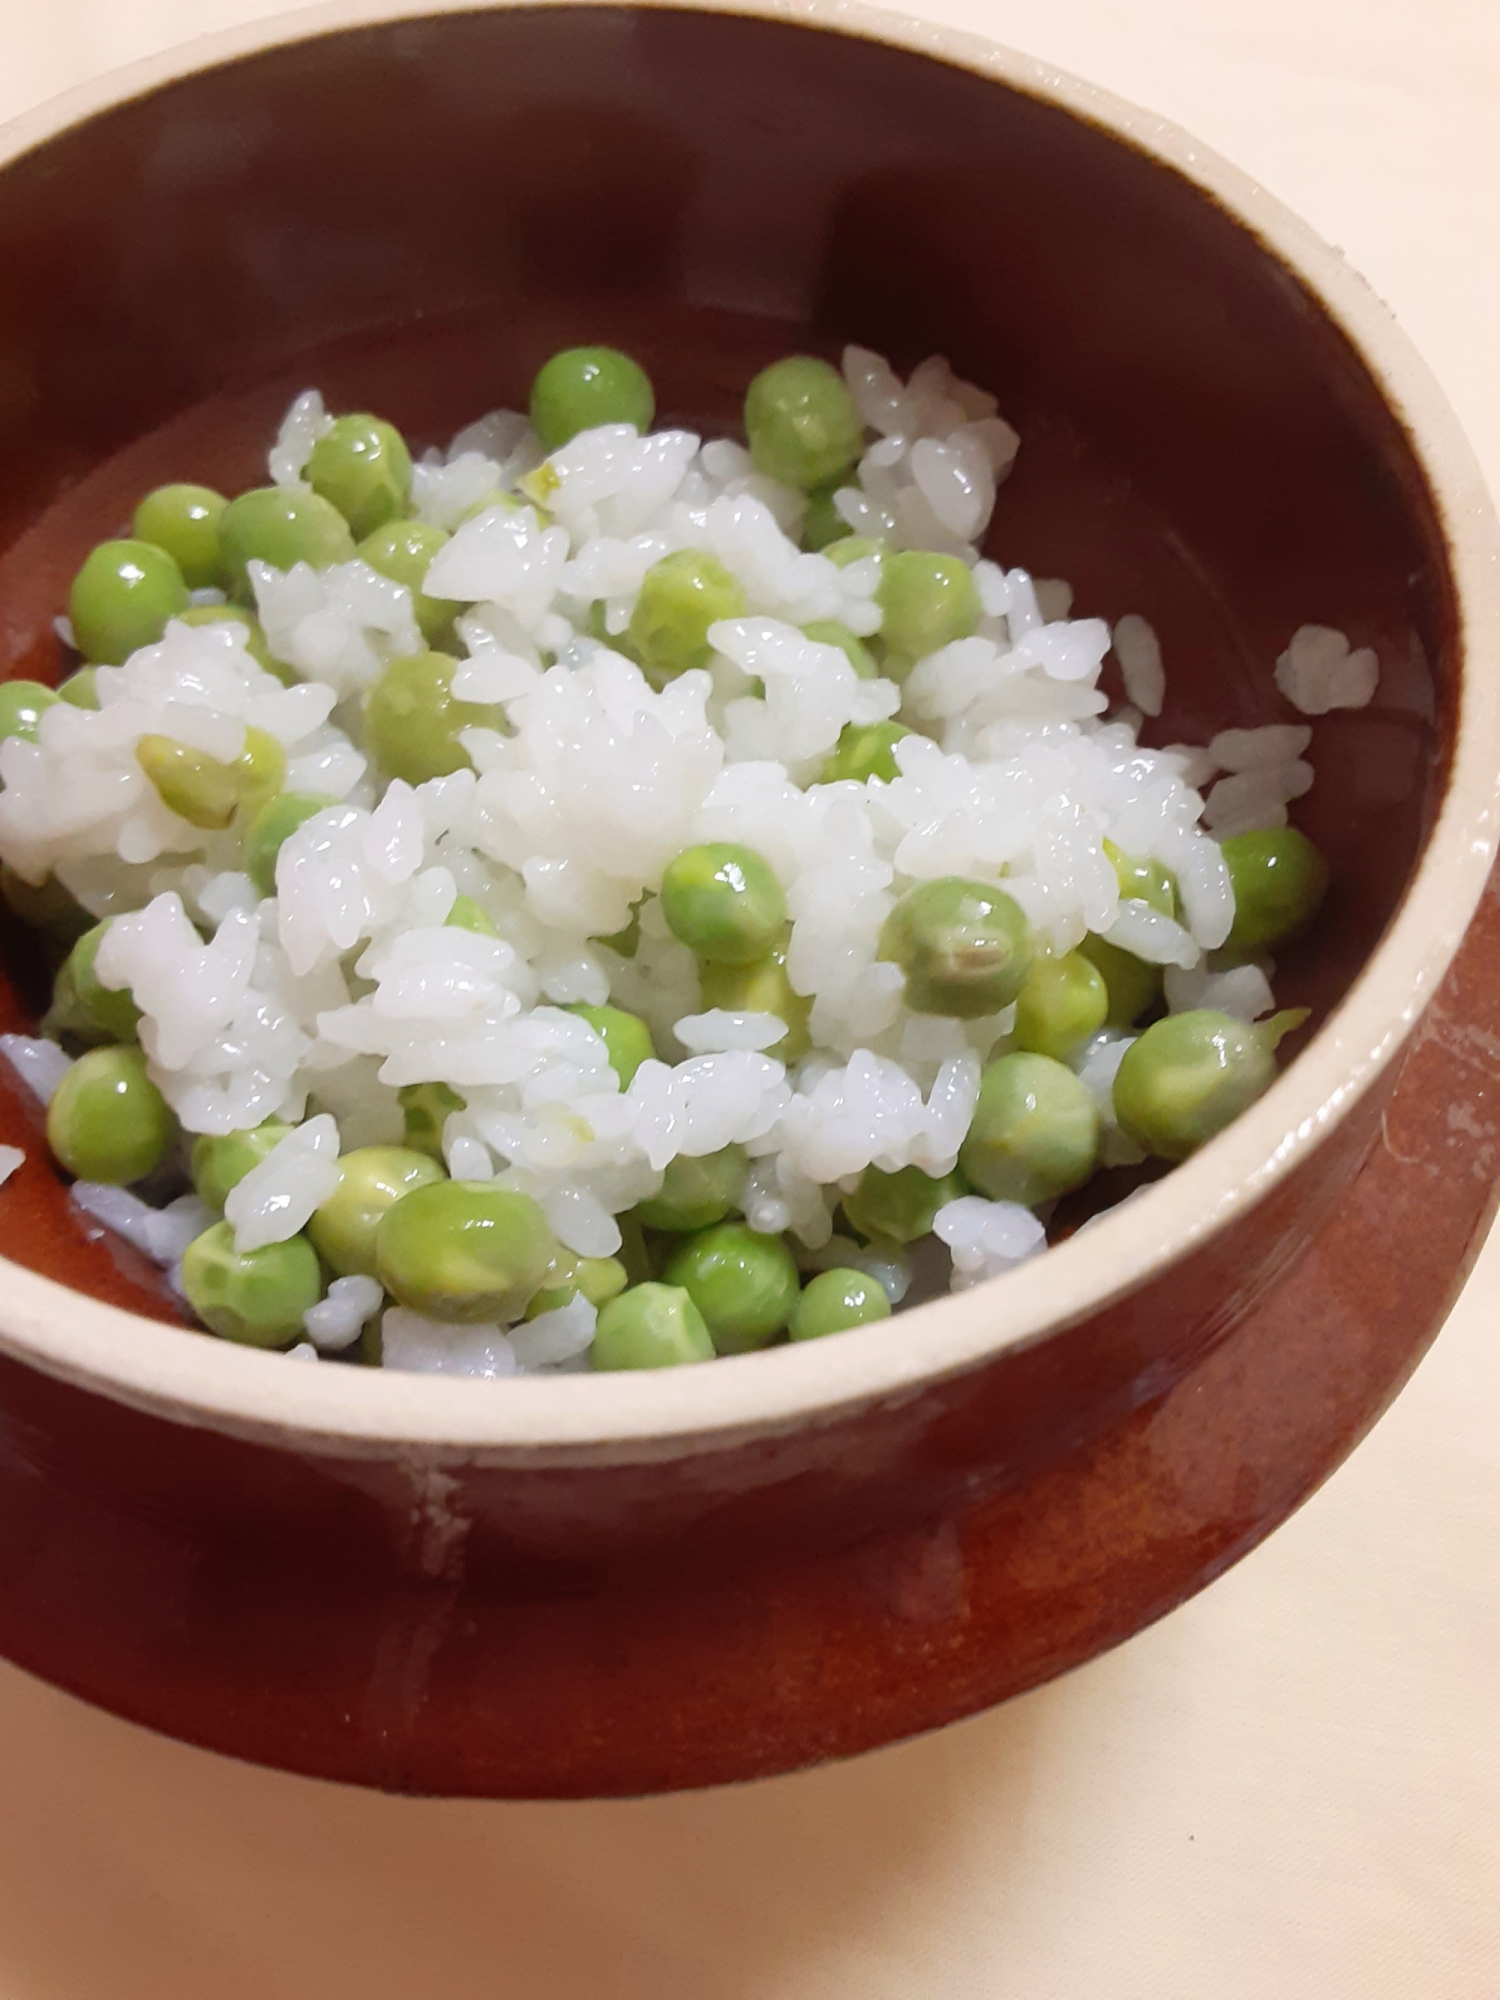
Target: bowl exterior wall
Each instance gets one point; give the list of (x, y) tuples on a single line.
[(352, 1618)]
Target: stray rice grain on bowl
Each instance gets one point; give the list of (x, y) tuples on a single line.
[(602, 898)]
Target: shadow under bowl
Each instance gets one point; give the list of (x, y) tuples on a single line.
[(1221, 430)]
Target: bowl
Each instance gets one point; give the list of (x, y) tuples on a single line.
[(481, 1588)]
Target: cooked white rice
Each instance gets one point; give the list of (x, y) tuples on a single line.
[(1319, 671)]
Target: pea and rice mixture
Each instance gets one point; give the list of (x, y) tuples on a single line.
[(600, 898)]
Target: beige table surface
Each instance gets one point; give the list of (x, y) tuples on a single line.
[(1290, 1790)]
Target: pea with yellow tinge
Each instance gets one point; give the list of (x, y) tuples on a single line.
[(22, 706), (402, 551), (414, 721), (745, 1284), (184, 521), (272, 827), (762, 987), (802, 422), (257, 1297), (898, 1206), (1064, 1001), (362, 467), (372, 1179), (1191, 1074), (220, 1161), (107, 1120), (696, 1191), (681, 595), (723, 902), (927, 601), (583, 387), (1035, 1133), (650, 1326), (464, 1250), (835, 1301), (1279, 880), (280, 526), (122, 599), (965, 947), (626, 1038)]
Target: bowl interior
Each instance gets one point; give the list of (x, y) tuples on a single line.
[(413, 215)]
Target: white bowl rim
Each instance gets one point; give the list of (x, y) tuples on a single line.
[(583, 1420)]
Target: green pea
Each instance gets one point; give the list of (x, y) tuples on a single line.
[(1190, 1075), (836, 1300), (361, 465), (584, 387), (403, 551), (413, 721), (723, 902), (122, 598), (426, 1108), (829, 632), (275, 823), (537, 486), (22, 705), (257, 1297), (965, 947), (627, 942), (65, 1020), (681, 596), (761, 988), (823, 523), (696, 1192), (598, 1279), (205, 791), (650, 1326), (221, 1161), (927, 601), (184, 520), (107, 1120), (107, 1010), (1279, 880), (255, 642), (372, 1179), (626, 1038), (802, 422), (1035, 1132), (280, 526), (80, 689), (853, 549), (632, 1252), (45, 906), (190, 783), (467, 915), (1064, 1001), (744, 1284), (1133, 986), (259, 771), (464, 1250), (1195, 1073), (1141, 881), (899, 1206), (865, 750)]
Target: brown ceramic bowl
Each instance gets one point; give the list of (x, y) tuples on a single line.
[(454, 1587)]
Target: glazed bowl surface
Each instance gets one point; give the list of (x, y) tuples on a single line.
[(1222, 429)]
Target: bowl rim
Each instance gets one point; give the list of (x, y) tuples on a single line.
[(152, 1366)]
